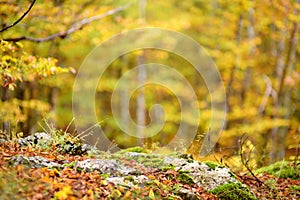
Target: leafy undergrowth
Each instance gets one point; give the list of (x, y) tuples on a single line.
[(278, 181), (282, 169), (233, 191), (20, 182)]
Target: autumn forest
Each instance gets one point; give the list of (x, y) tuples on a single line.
[(252, 45)]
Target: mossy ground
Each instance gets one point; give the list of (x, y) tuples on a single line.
[(233, 191), (282, 169), (134, 149), (212, 165), (165, 183)]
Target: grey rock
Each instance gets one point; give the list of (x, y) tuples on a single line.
[(202, 174), (67, 147), (33, 162), (104, 166), (141, 179), (120, 181), (35, 139), (119, 174), (187, 194), (135, 154), (89, 149)]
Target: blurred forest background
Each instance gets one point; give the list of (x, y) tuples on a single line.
[(253, 43)]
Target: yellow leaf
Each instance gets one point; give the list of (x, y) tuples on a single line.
[(151, 194), (116, 193), (63, 193), (151, 177), (54, 172), (103, 182), (91, 194), (127, 195), (19, 44)]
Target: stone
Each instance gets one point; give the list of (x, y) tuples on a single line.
[(34, 162), (104, 166)]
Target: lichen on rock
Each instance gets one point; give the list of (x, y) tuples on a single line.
[(135, 167), (104, 166), (33, 162), (201, 173)]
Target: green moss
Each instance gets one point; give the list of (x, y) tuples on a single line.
[(232, 175), (271, 183), (70, 165), (295, 187), (185, 178), (188, 157), (167, 167), (212, 165), (143, 157), (155, 162), (105, 176), (281, 169), (233, 191), (79, 169), (134, 149), (129, 178)]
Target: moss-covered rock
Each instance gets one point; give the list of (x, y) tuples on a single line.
[(134, 149), (173, 173), (212, 165), (233, 191), (56, 141), (281, 169), (184, 177), (139, 155)]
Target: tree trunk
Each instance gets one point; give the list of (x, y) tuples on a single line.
[(279, 71), (5, 124), (229, 91), (52, 100), (247, 73), (20, 95), (284, 94), (32, 113)]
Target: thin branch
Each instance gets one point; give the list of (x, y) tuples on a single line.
[(16, 22), (242, 141), (75, 27)]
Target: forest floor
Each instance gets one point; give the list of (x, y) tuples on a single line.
[(20, 182)]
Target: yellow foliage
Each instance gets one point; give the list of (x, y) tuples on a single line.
[(64, 193), (151, 194)]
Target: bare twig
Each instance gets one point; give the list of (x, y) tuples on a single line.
[(245, 162), (75, 27), (16, 22)]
